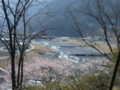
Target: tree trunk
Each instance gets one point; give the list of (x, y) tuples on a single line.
[(115, 71), (13, 73)]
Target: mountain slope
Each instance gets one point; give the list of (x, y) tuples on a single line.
[(63, 19)]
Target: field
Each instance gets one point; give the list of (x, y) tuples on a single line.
[(38, 48), (4, 54), (99, 46), (28, 57)]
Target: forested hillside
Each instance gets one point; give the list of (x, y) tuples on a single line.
[(63, 19)]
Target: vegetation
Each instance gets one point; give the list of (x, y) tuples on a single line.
[(17, 30), (87, 82), (43, 70), (93, 81), (53, 71), (55, 74), (107, 16), (114, 57)]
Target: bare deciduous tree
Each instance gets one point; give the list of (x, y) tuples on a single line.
[(106, 13), (18, 25)]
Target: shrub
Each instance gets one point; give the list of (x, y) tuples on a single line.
[(112, 65), (86, 82)]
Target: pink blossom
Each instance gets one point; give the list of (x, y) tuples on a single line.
[(45, 69), (48, 69)]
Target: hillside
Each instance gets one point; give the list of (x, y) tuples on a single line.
[(63, 19)]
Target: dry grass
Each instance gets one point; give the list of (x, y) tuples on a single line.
[(38, 48), (29, 55), (4, 54), (3, 63), (103, 47)]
